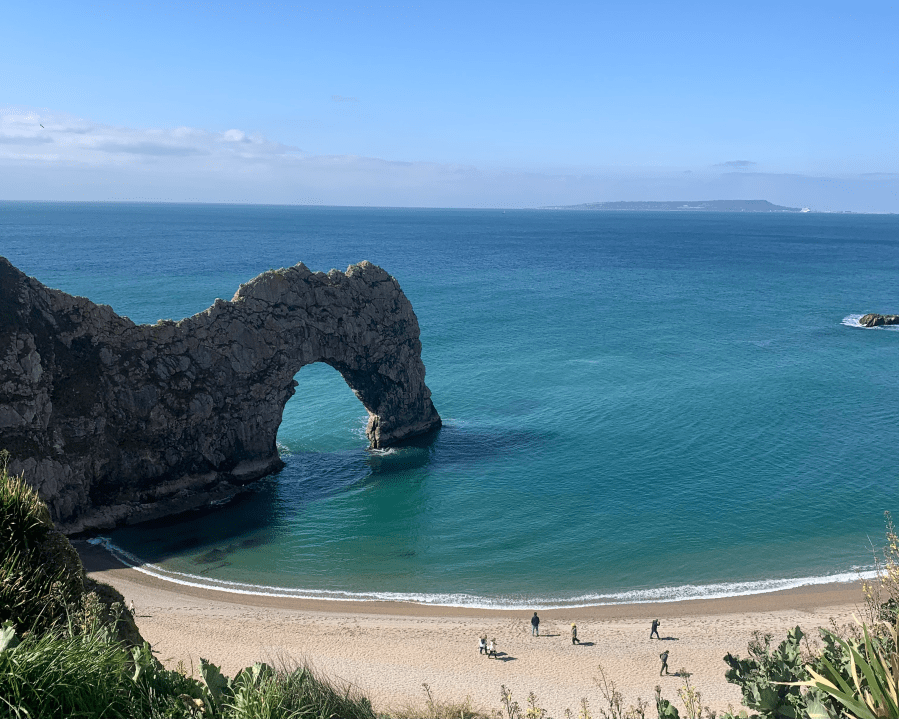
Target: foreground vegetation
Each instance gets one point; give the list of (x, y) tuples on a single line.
[(80, 676), (68, 648)]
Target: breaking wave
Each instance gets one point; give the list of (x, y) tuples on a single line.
[(637, 596)]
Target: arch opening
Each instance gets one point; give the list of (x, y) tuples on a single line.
[(324, 415)]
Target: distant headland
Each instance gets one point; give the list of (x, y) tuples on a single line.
[(685, 206)]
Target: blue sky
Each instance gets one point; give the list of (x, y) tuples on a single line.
[(451, 104)]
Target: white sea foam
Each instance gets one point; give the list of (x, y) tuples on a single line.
[(852, 321), (637, 596)]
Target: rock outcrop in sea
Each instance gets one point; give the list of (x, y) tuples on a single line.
[(114, 422), (874, 320)]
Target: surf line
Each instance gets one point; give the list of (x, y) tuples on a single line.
[(466, 601)]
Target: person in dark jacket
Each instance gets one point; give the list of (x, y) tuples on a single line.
[(535, 625), (654, 629)]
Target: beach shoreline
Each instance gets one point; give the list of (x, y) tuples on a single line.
[(808, 597), (388, 649)]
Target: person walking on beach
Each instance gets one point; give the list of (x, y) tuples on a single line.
[(574, 639), (664, 657), (482, 644), (491, 648), (655, 629), (535, 625)]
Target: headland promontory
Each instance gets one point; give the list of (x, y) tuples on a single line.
[(114, 422)]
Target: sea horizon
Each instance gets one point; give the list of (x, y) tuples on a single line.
[(473, 208)]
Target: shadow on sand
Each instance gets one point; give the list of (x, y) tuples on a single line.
[(503, 657)]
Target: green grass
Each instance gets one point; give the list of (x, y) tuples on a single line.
[(296, 693), (92, 676), (58, 675), (36, 581)]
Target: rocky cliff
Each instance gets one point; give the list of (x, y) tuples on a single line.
[(114, 422)]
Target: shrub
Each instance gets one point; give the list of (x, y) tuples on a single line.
[(767, 674)]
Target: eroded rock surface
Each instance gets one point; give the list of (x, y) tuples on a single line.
[(114, 422), (874, 320)]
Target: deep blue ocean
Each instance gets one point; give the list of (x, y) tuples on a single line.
[(637, 406)]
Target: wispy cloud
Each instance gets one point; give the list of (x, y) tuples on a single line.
[(149, 148), (737, 164), (26, 139), (79, 141), (72, 158)]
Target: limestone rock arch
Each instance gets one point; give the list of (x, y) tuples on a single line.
[(115, 422)]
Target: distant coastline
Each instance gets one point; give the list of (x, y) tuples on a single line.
[(685, 206)]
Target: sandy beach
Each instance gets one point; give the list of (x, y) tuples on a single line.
[(389, 649)]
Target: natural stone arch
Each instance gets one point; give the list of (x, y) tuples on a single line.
[(114, 422)]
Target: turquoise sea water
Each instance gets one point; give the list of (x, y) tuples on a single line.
[(637, 406)]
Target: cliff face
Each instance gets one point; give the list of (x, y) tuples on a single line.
[(115, 422)]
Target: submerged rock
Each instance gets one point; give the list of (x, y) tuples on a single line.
[(114, 422), (873, 320)]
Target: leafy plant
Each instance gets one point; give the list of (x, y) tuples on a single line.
[(144, 663), (768, 676), (872, 690), (218, 686), (8, 638), (664, 708)]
